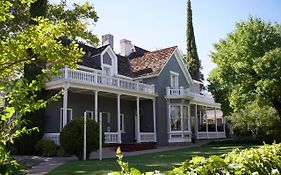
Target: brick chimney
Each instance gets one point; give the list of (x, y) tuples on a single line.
[(107, 39), (126, 47)]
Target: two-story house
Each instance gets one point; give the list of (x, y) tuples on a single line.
[(142, 96)]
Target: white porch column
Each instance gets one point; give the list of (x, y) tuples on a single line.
[(182, 118), (196, 121), (96, 106), (207, 129), (215, 113), (154, 119), (138, 120), (64, 110), (189, 118), (118, 118)]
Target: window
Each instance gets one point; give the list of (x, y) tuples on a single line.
[(90, 114), (68, 119), (122, 123), (175, 118), (174, 79)]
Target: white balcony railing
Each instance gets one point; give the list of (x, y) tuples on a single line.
[(99, 79), (182, 92), (179, 92), (111, 137), (147, 137)]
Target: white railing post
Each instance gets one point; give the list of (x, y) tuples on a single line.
[(181, 92), (168, 91), (118, 118), (66, 72)]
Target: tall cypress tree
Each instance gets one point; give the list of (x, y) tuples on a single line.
[(191, 59), (26, 143)]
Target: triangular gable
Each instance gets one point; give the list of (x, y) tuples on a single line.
[(179, 58)]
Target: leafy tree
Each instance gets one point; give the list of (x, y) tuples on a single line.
[(248, 66), (17, 38), (191, 58)]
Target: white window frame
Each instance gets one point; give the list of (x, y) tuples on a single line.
[(174, 76), (91, 113), (61, 116), (170, 127), (122, 123)]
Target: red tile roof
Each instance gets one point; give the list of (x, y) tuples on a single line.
[(151, 62)]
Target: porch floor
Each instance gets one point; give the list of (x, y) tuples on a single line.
[(130, 147)]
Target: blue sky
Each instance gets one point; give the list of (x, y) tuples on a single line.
[(156, 24)]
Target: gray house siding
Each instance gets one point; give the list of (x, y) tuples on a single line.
[(161, 82)]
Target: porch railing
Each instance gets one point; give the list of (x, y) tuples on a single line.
[(147, 137), (55, 137), (111, 137), (99, 79)]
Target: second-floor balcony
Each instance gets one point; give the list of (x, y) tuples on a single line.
[(186, 93), (97, 79)]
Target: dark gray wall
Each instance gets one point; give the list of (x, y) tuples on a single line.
[(161, 82)]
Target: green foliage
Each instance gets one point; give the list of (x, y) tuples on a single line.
[(46, 147), (7, 164), (72, 136), (248, 66), (253, 120), (263, 160), (19, 38), (191, 58)]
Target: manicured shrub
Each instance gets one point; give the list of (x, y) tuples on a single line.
[(255, 161), (72, 136), (46, 147)]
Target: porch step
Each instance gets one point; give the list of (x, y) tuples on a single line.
[(129, 147)]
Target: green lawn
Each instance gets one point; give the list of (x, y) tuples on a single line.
[(156, 161)]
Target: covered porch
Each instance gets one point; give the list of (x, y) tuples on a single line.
[(127, 116), (208, 122)]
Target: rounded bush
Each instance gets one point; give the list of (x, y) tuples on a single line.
[(46, 147), (72, 137)]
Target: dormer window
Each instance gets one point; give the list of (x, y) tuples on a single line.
[(174, 80)]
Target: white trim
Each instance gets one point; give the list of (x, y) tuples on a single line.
[(197, 82), (174, 76), (61, 117), (91, 113), (114, 60), (88, 68)]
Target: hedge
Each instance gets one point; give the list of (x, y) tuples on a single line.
[(254, 161)]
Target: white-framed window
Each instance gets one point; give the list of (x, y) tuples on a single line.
[(68, 119), (90, 114), (178, 119), (175, 118), (174, 78), (122, 123), (106, 70)]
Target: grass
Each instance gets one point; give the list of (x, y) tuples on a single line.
[(162, 161)]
